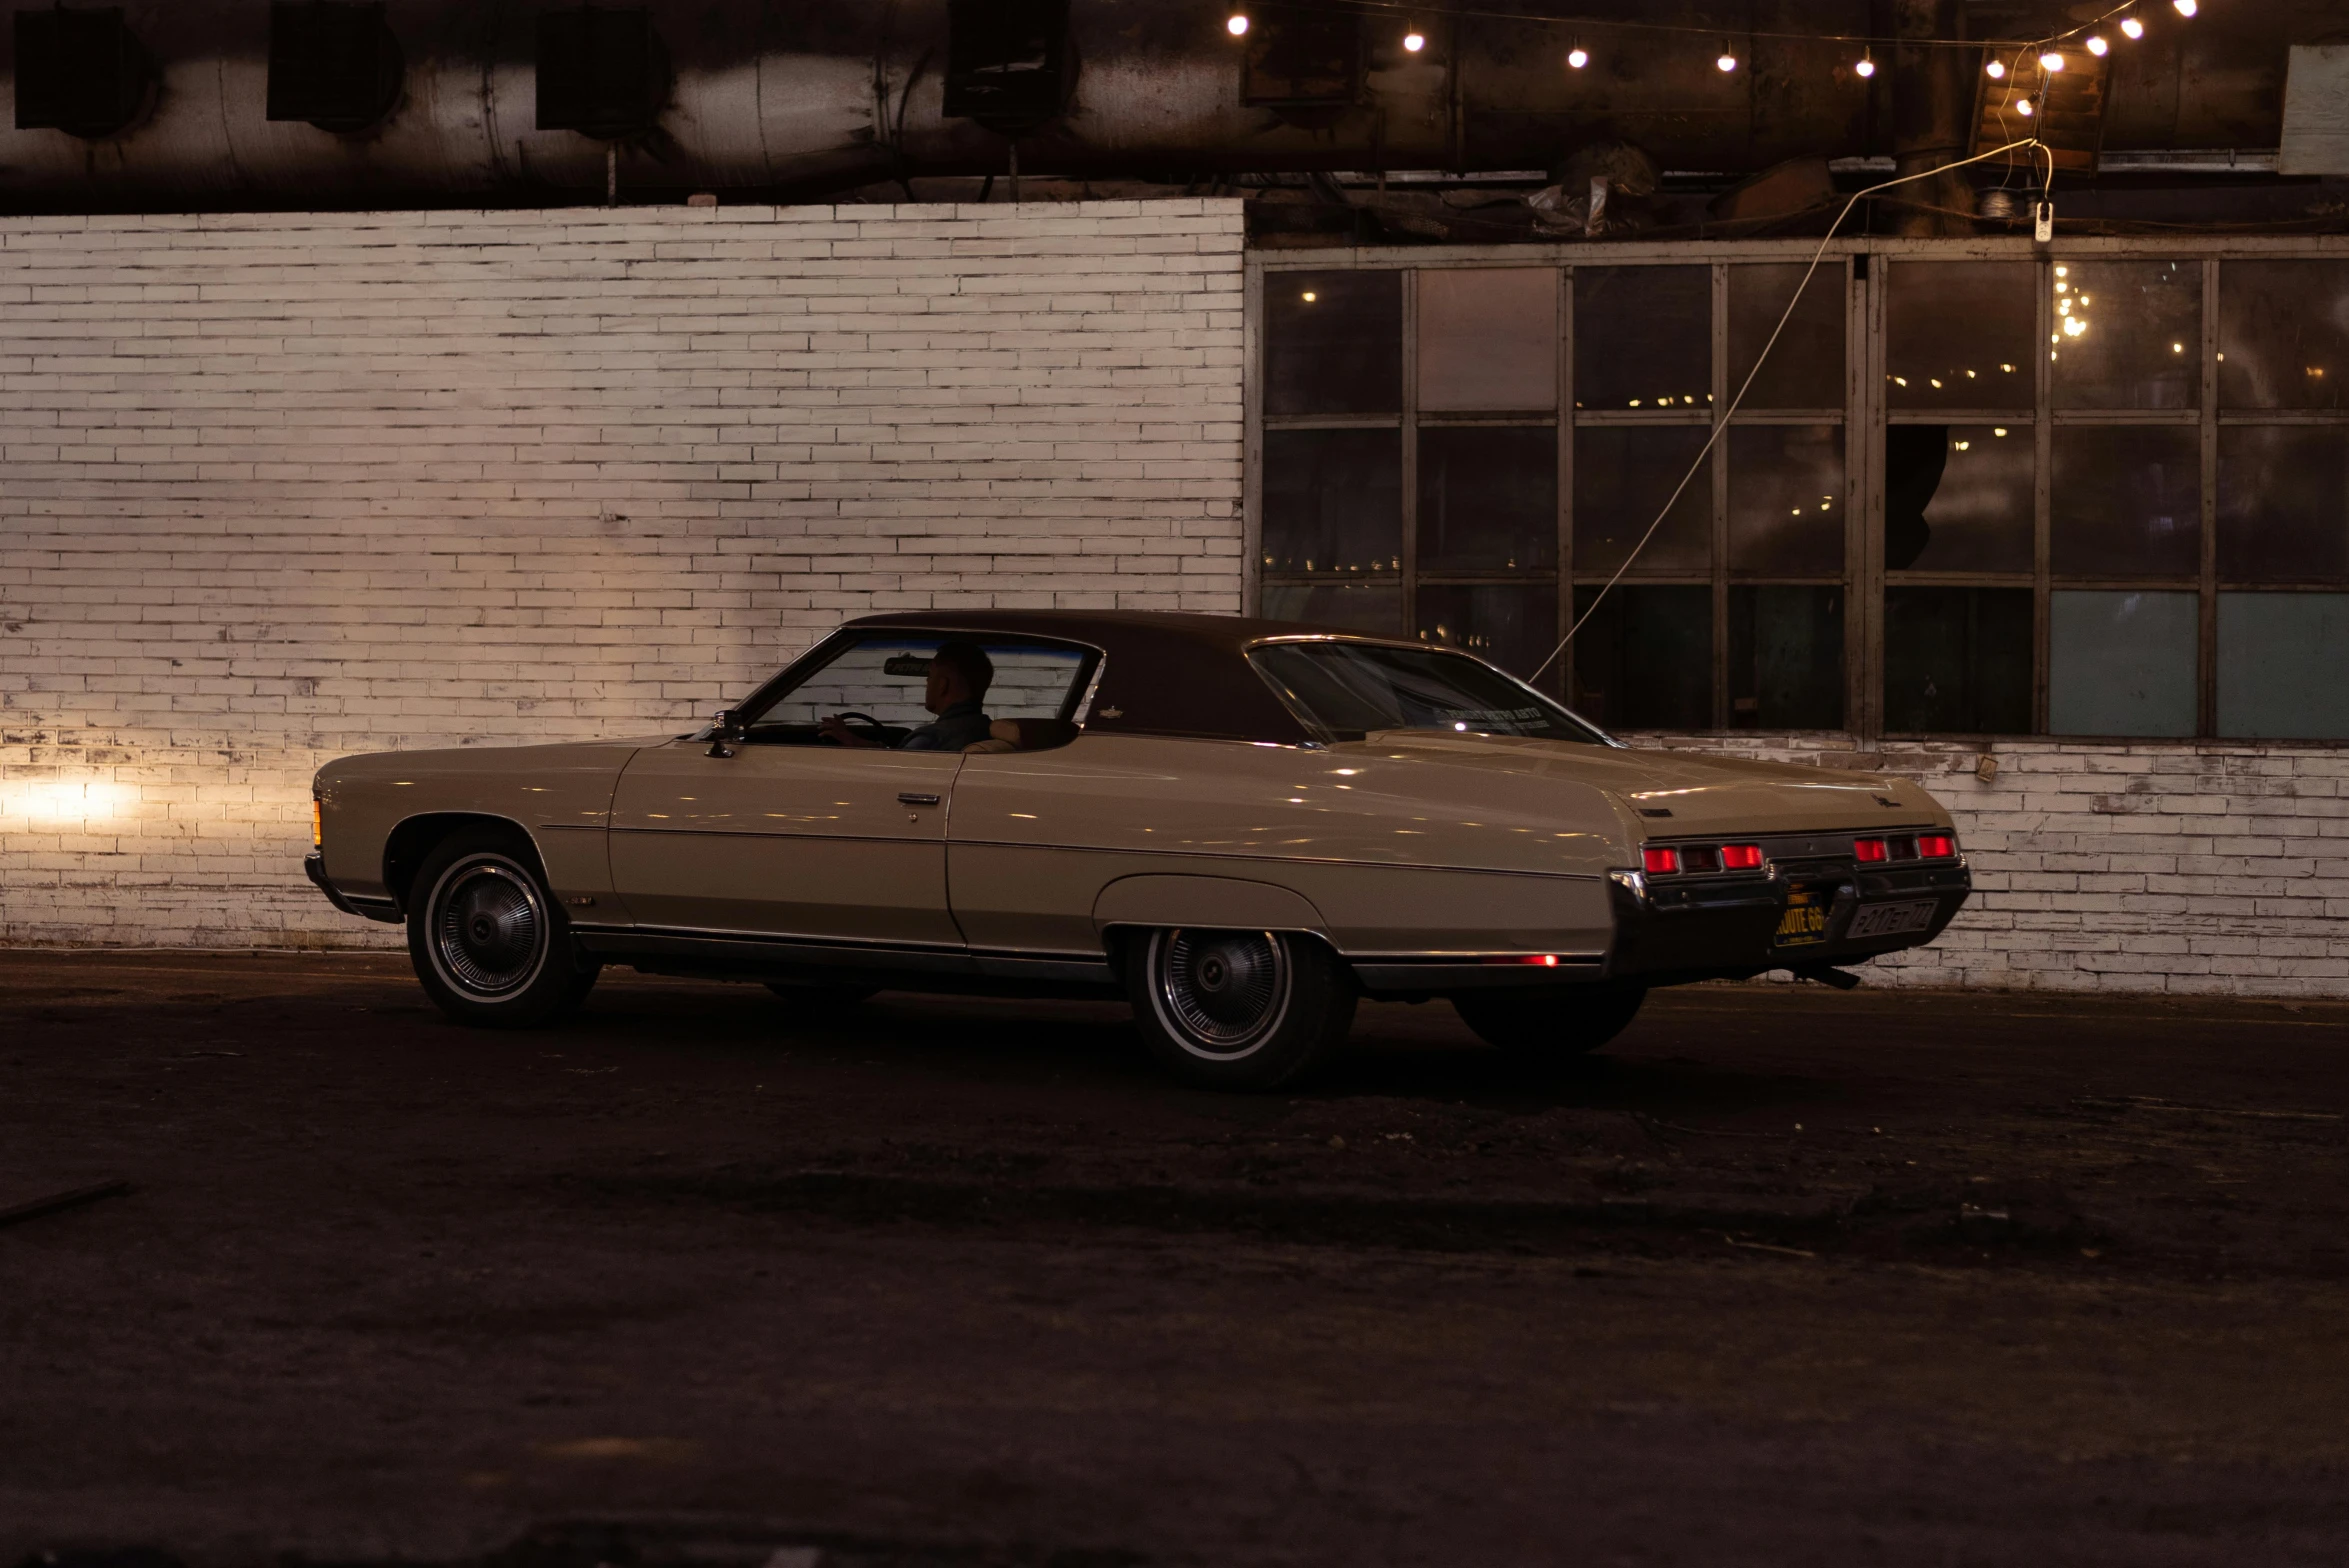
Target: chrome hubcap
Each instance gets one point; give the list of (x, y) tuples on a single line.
[(489, 929), (1222, 992)]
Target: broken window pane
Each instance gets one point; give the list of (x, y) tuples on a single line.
[(1623, 474), (1333, 501), (1333, 342), (1786, 500), (1957, 498), (1358, 607), (1488, 497), (2267, 644), (1643, 337), (2128, 501), (1957, 334), (1488, 338), (1957, 661), (2126, 334), (2283, 503), (1785, 658), (1805, 369), (2283, 334), (2121, 663), (1645, 659), (1513, 625)]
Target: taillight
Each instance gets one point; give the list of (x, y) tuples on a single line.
[(1867, 851), (1741, 857), (1661, 862), (1936, 846)]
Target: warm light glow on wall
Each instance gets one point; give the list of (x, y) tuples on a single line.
[(64, 802)]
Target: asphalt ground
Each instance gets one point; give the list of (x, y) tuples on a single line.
[(1784, 1276)]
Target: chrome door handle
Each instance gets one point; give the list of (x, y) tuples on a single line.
[(917, 800)]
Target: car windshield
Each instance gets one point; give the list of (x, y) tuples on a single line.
[(1347, 689)]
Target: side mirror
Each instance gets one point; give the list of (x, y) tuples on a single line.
[(725, 730)]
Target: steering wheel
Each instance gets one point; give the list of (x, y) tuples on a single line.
[(879, 733)]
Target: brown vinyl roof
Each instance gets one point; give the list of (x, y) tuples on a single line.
[(1167, 673)]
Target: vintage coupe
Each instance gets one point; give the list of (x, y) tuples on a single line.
[(1240, 825)]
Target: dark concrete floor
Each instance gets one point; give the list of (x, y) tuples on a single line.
[(1783, 1277)]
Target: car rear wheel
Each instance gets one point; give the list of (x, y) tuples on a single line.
[(488, 940), (1553, 1023), (1238, 1009)]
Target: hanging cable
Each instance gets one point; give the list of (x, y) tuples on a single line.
[(1722, 423)]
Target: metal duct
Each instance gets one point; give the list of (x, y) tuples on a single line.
[(794, 97)]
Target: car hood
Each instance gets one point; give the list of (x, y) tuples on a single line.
[(1674, 794)]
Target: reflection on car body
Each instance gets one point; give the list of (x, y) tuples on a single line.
[(1239, 825)]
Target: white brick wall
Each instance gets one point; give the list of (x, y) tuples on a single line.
[(276, 488), (2188, 868)]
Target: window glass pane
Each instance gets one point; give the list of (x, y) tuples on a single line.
[(1333, 342), (2267, 645), (1333, 500), (1805, 370), (1643, 337), (1957, 498), (1645, 659), (2283, 503), (1623, 474), (2121, 663), (1785, 658), (2128, 501), (2127, 334), (1357, 607), (1513, 625), (887, 676), (1957, 660), (1488, 498), (1957, 334), (2283, 334), (1786, 500), (1488, 338), (1350, 688)]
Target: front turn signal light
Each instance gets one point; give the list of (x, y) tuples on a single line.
[(1936, 846), (317, 826), (1868, 851), (1661, 862), (1741, 857)]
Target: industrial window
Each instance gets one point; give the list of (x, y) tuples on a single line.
[(1975, 490)]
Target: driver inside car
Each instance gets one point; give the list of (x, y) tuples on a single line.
[(960, 673)]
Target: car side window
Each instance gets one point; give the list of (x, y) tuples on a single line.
[(885, 675)]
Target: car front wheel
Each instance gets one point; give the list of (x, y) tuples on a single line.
[(1553, 1023), (488, 940), (1238, 1009)]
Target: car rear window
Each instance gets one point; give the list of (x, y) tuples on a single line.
[(1346, 689)]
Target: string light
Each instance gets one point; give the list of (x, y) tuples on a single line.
[(1727, 60), (2022, 106), (2132, 27), (2096, 45), (1237, 24), (1414, 40), (1867, 63), (2185, 7), (1995, 70), (2051, 61), (1578, 57)]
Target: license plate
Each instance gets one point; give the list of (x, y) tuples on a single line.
[(1892, 919), (1805, 920)]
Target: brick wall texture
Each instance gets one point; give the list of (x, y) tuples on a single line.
[(276, 488)]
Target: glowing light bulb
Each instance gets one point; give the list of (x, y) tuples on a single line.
[(1727, 61), (2185, 7), (2132, 28), (2051, 61), (1415, 40), (2096, 45), (1866, 65), (1237, 25), (1309, 296), (2177, 348), (1996, 70), (1578, 57), (1998, 430), (2022, 106)]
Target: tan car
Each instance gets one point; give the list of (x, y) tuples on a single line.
[(1240, 826)]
